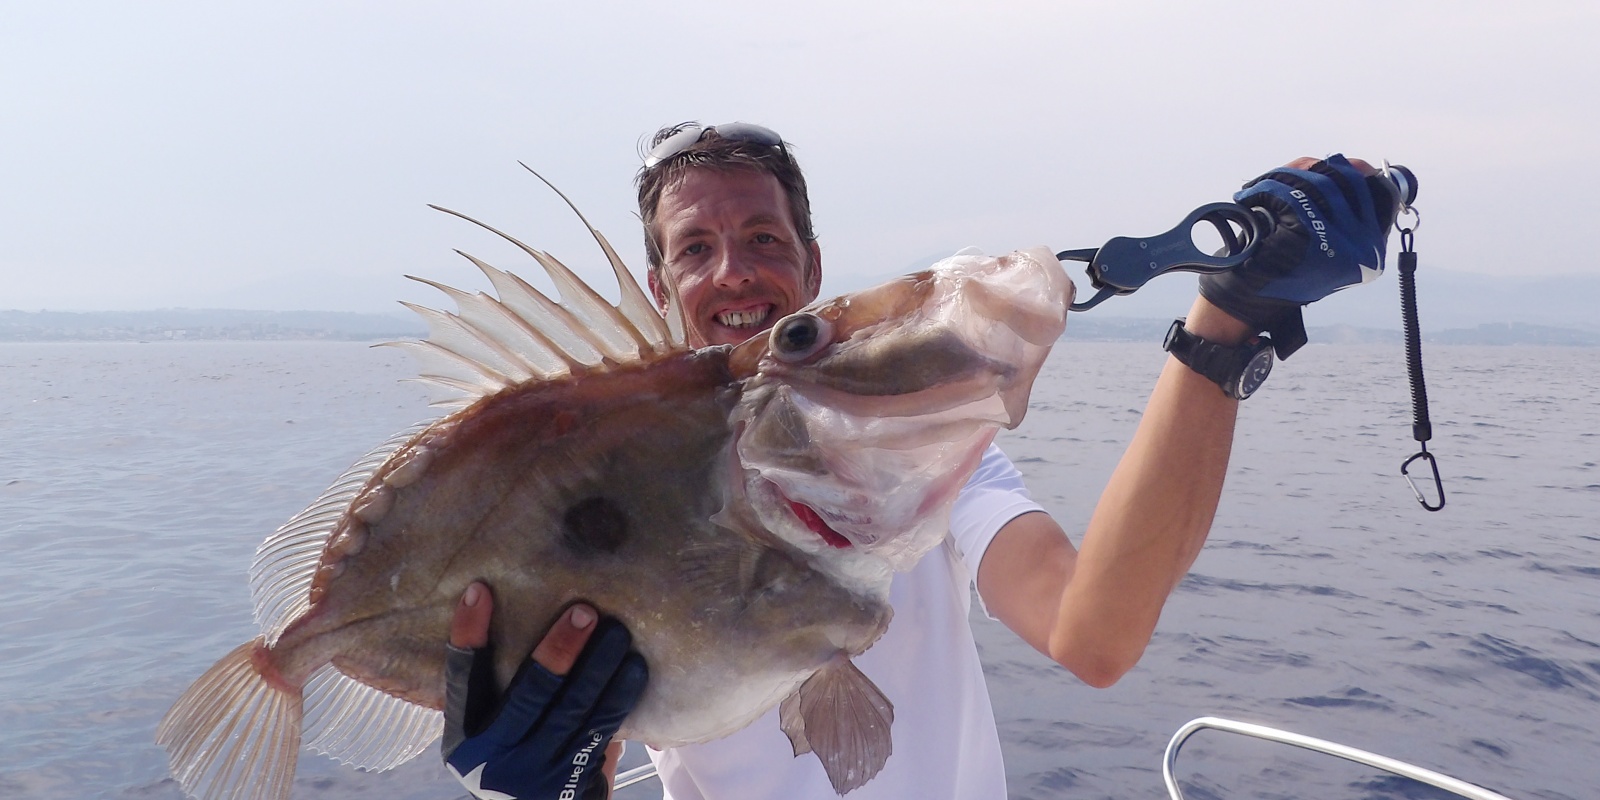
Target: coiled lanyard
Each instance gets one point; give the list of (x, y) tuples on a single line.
[(1421, 427)]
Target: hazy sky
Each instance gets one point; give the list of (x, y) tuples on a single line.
[(280, 155)]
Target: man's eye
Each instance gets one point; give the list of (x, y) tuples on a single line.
[(694, 249), (766, 238)]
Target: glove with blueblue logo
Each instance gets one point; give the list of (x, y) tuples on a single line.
[(1331, 227), (546, 738)]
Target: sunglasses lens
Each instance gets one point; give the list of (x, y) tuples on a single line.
[(686, 138), (673, 145), (746, 132)]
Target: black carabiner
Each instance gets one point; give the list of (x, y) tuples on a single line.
[(1438, 482)]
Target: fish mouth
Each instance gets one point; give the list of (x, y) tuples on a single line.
[(813, 521)]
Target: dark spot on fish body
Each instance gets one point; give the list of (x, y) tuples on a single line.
[(595, 525)]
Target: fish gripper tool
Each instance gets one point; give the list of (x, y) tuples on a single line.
[(1124, 264)]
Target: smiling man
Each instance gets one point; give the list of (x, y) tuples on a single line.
[(728, 231)]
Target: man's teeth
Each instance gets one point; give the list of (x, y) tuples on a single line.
[(743, 319)]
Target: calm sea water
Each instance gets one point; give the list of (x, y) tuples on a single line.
[(137, 479)]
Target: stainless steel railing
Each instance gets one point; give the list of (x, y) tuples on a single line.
[(1395, 766)]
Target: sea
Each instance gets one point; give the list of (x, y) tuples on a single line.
[(136, 480)]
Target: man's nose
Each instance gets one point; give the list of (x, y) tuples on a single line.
[(732, 270)]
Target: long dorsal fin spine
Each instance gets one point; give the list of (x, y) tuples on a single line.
[(652, 330), (558, 273), (574, 325), (481, 310), (541, 313), (585, 299), (504, 284)]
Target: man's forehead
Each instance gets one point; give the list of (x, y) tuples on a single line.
[(745, 197)]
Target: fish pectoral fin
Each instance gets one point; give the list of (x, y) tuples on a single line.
[(844, 719), (792, 724)]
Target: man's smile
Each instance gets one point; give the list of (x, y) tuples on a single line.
[(749, 317)]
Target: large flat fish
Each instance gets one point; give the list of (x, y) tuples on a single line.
[(740, 509)]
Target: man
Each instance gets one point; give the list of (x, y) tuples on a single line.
[(728, 231)]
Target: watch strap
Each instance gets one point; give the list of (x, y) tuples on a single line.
[(1221, 364)]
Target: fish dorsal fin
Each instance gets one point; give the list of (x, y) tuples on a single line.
[(496, 342), (844, 719), (363, 726), (280, 575), (635, 304)]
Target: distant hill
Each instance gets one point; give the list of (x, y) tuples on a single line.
[(1454, 308), (183, 323)]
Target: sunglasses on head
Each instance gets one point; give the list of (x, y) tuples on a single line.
[(689, 135)]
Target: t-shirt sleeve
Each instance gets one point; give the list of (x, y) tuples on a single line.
[(993, 496)]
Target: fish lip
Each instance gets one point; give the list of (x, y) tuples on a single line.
[(814, 522)]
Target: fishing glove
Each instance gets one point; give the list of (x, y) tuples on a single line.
[(546, 738), (1331, 226)]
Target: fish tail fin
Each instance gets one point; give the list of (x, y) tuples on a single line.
[(234, 733)]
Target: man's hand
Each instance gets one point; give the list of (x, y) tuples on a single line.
[(549, 736), (1332, 221)]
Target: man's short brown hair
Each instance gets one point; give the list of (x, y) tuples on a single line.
[(713, 152)]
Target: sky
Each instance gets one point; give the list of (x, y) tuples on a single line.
[(282, 155)]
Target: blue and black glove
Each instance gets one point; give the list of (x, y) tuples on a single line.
[(546, 737), (1331, 228)]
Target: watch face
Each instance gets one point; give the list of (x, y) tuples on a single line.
[(1255, 372)]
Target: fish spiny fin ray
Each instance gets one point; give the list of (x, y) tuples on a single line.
[(280, 575), (447, 332), (544, 319), (634, 304), (233, 734), (583, 321), (364, 727), (845, 722), (485, 319)]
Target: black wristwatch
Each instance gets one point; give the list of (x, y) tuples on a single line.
[(1240, 371)]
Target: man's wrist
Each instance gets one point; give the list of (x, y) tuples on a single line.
[(1211, 323)]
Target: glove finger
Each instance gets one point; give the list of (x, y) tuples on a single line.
[(527, 700), (471, 695), (599, 662), (621, 694), (586, 751), (1352, 184)]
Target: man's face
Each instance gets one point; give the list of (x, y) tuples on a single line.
[(730, 248)]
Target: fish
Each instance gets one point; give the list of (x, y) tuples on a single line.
[(740, 509)]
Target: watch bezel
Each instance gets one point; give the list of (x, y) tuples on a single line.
[(1243, 385)]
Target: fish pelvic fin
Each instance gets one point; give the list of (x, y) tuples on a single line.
[(842, 717), (234, 733)]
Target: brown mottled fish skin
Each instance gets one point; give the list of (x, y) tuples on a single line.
[(576, 490)]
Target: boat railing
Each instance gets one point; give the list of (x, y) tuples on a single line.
[(1391, 765)]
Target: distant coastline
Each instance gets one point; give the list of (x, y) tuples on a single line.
[(182, 324), (233, 325)]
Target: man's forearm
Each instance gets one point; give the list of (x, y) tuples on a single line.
[(1153, 516)]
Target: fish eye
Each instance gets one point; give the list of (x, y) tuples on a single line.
[(799, 336)]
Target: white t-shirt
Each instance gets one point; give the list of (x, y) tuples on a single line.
[(945, 741)]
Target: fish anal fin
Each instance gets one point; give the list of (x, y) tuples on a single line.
[(844, 720)]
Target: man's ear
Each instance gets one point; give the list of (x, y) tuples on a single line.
[(657, 291), (814, 275)]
